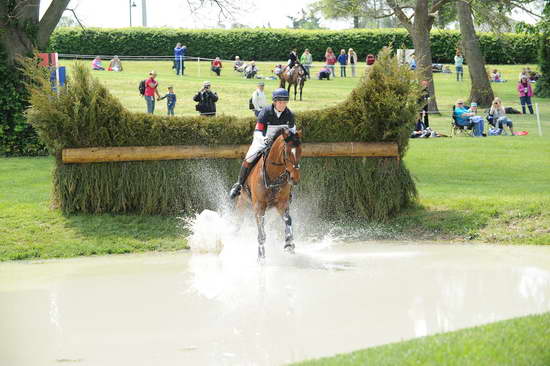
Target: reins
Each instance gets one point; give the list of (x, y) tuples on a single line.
[(284, 176)]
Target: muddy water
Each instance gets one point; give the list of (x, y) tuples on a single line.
[(205, 309)]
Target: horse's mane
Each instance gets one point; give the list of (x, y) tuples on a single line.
[(293, 137)]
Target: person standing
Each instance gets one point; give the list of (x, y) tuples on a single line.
[(343, 61), (424, 100), (258, 98), (306, 60), (525, 93), (170, 100), (206, 100), (179, 58), (352, 60), (330, 60), (151, 89), (459, 66)]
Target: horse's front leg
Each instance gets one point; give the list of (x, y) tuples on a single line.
[(284, 211), (260, 221)]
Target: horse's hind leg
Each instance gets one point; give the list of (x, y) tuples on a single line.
[(260, 220)]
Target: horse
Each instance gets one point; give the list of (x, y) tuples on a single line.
[(297, 78), (270, 182)]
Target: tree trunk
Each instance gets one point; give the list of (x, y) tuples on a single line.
[(14, 42), (481, 91), (355, 21)]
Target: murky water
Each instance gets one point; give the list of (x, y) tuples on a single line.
[(206, 309)]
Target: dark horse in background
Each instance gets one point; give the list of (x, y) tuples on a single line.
[(269, 184), (296, 78)]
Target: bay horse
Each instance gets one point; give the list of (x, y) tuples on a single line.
[(297, 78), (269, 184)]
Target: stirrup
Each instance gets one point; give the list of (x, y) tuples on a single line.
[(235, 191)]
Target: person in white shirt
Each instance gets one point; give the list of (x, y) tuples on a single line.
[(258, 98)]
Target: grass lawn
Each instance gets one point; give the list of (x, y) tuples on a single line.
[(516, 342), (495, 189)]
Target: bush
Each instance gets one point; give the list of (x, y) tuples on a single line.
[(87, 115), (274, 44), (17, 137)]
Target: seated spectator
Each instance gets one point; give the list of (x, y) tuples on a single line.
[(217, 66), (250, 70), (238, 64), (96, 64), (447, 70), (412, 62), (324, 73), (533, 76), (423, 131), (278, 69), (523, 74), (437, 67), (496, 77), (370, 59), (115, 64), (465, 117), (500, 120)]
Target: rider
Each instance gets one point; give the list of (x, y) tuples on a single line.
[(293, 60), (271, 120)]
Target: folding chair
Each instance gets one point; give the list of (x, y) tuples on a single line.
[(457, 129)]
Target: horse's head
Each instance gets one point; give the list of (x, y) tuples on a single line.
[(292, 154)]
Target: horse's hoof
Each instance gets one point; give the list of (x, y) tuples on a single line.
[(261, 253), (289, 248)]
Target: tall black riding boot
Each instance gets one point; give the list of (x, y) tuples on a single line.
[(236, 189)]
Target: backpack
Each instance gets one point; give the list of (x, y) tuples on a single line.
[(142, 87), (251, 105)]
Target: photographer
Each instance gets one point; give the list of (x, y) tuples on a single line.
[(206, 100)]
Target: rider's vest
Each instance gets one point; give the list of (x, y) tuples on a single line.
[(268, 117)]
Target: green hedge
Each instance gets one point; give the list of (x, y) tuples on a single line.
[(17, 137), (87, 115), (274, 44)]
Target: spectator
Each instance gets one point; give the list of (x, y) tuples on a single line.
[(324, 73), (343, 61), (179, 58), (496, 77), (498, 112), (459, 66), (151, 88), (258, 98), (278, 69), (370, 59), (217, 66), (465, 117), (525, 93), (412, 62), (306, 60), (96, 64), (206, 100), (170, 100), (238, 64), (115, 64), (352, 60), (423, 101), (250, 70), (523, 74), (447, 70), (330, 60)]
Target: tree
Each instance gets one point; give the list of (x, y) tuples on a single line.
[(308, 20), (481, 90), (21, 29), (419, 25), (362, 12), (543, 84)]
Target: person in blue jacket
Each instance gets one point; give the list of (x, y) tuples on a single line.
[(343, 61), (179, 58)]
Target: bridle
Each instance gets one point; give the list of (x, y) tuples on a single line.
[(285, 175)]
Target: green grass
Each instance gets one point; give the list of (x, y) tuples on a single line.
[(515, 342), (489, 190)]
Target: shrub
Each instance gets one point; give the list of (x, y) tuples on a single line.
[(274, 44), (17, 137), (87, 115)]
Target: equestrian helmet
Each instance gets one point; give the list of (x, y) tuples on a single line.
[(279, 94)]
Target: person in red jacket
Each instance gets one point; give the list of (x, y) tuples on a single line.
[(217, 66), (330, 60)]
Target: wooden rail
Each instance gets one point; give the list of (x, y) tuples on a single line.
[(141, 153)]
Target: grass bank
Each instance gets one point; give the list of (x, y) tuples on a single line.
[(515, 342)]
